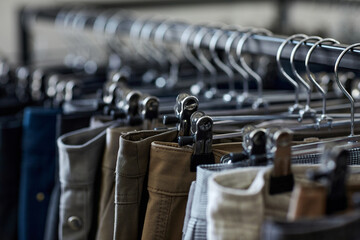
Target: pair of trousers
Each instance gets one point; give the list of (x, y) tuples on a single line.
[(80, 155), (195, 224), (65, 123), (37, 170), (131, 180), (10, 160), (168, 186), (195, 219), (106, 214), (239, 201)]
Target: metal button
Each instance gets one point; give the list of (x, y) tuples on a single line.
[(74, 222), (40, 197)]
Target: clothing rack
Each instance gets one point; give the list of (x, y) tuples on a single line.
[(325, 55)]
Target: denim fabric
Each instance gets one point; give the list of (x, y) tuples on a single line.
[(80, 155), (37, 170), (10, 160), (343, 226), (66, 123)]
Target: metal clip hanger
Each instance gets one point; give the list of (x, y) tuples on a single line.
[(323, 118), (149, 111), (259, 102), (197, 88), (135, 43), (185, 106), (254, 144), (342, 88), (201, 139), (244, 98), (228, 71), (168, 53), (307, 112), (147, 31), (352, 138), (200, 35), (121, 101), (295, 109)]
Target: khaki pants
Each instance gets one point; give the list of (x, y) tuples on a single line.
[(131, 169), (107, 190), (168, 185)]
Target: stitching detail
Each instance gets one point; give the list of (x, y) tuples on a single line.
[(166, 192), (184, 150), (162, 218)]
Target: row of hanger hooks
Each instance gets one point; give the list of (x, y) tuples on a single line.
[(146, 41)]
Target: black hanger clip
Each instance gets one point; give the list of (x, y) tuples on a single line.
[(202, 135)]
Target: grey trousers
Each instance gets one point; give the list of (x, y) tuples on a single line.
[(80, 155)]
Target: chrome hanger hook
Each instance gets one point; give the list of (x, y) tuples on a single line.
[(197, 88), (134, 35), (307, 112), (342, 88), (200, 35), (101, 20), (159, 39), (295, 109), (111, 27), (228, 71), (239, 49), (152, 51), (244, 98), (184, 44), (323, 118), (76, 58), (94, 55)]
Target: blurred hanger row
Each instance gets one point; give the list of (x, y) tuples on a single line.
[(117, 61)]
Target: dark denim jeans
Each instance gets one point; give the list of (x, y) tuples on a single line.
[(10, 159), (37, 170)]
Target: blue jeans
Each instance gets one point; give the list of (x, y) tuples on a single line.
[(37, 170)]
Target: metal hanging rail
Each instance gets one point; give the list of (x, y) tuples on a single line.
[(325, 55)]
